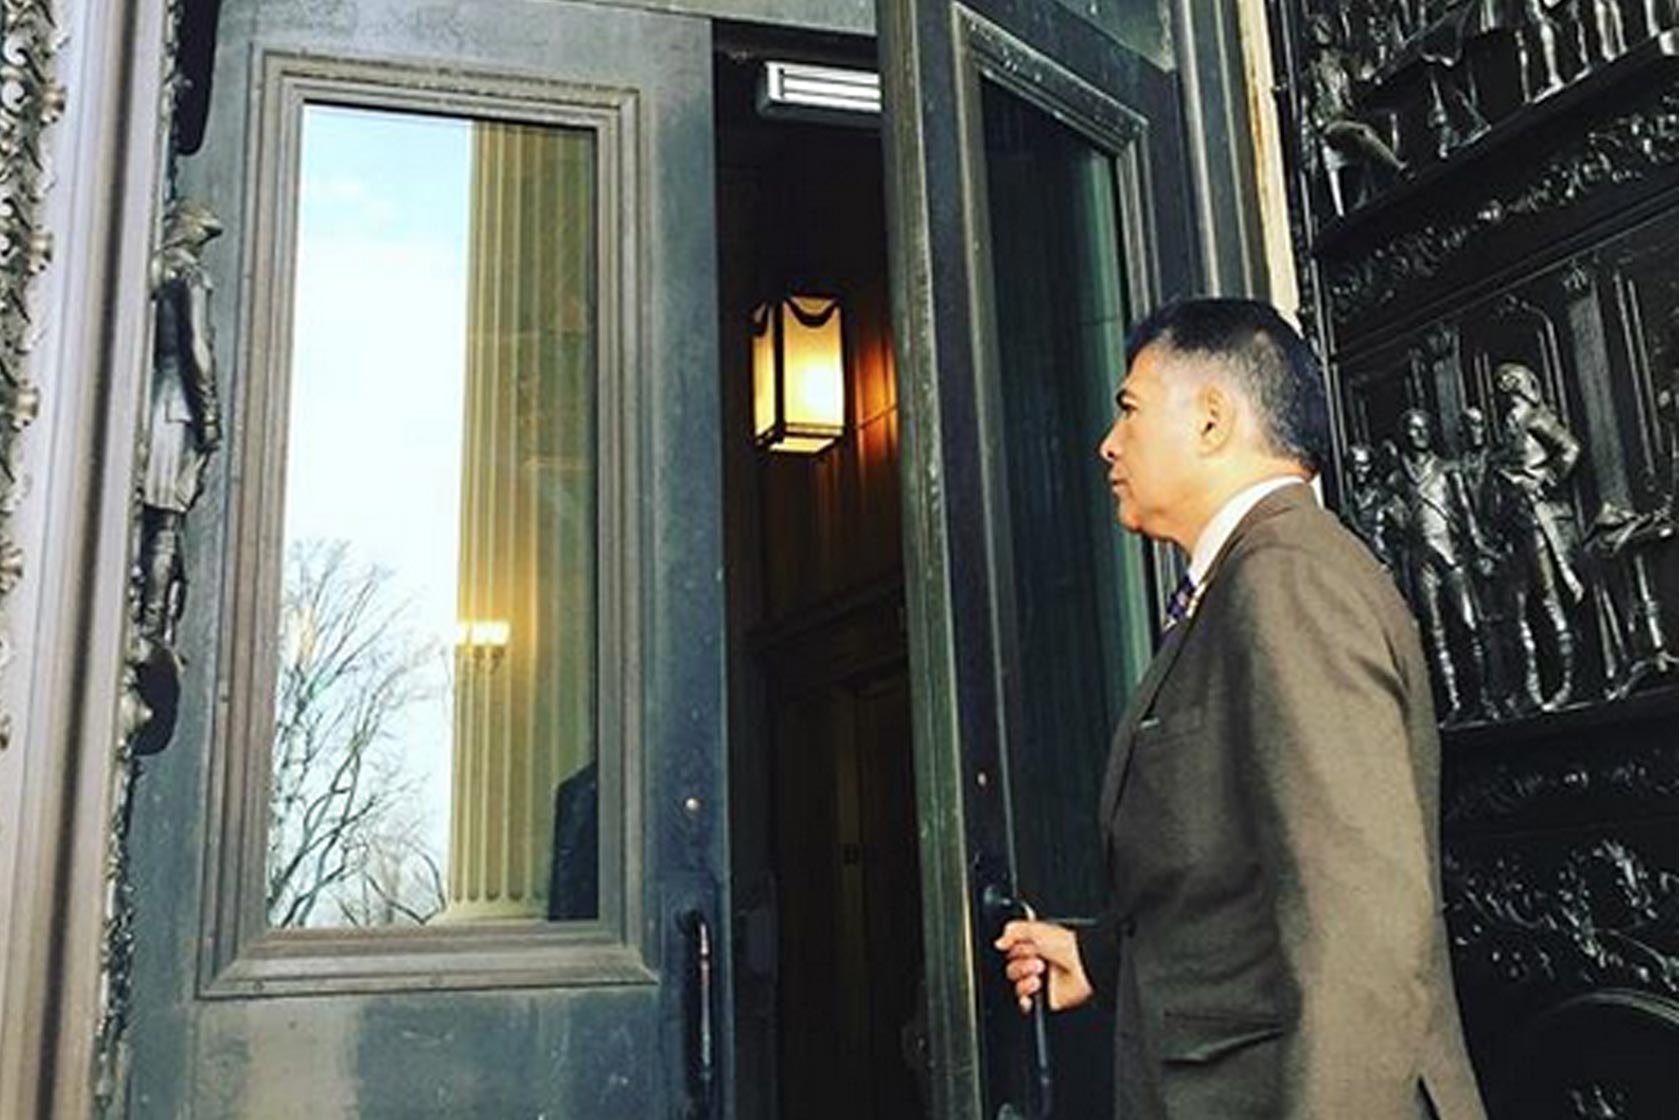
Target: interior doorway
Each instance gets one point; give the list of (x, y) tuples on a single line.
[(824, 865)]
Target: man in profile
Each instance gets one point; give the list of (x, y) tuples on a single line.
[(1274, 946)]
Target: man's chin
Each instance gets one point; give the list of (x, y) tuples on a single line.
[(1134, 524)]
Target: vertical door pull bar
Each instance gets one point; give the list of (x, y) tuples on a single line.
[(1002, 906), (702, 1042)]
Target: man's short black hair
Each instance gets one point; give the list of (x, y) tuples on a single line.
[(1269, 361)]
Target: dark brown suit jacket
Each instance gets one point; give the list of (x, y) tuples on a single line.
[(1275, 948)]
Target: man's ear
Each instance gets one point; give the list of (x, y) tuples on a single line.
[(1216, 417)]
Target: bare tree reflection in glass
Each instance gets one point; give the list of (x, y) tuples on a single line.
[(345, 846)]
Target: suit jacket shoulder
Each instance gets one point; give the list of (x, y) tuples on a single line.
[(1289, 530)]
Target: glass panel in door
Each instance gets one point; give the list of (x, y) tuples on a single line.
[(1059, 306), (1070, 642), (433, 753)]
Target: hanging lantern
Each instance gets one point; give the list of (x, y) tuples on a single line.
[(798, 365)]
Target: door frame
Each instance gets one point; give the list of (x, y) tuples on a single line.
[(86, 121), (240, 955), (932, 53)]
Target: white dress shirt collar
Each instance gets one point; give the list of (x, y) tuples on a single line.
[(1223, 523)]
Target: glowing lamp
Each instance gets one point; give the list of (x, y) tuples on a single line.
[(483, 639), (798, 364)]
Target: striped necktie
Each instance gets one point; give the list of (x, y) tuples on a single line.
[(1178, 607)]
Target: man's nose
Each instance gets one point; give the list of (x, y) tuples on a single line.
[(1109, 448)]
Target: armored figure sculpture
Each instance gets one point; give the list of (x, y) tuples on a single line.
[(1344, 141), (185, 415), (1370, 509), (1440, 534), (1534, 459)]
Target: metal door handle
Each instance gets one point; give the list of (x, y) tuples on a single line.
[(702, 1042), (1001, 906)]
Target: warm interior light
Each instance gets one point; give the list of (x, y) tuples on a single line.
[(799, 388), (482, 634), (764, 373)]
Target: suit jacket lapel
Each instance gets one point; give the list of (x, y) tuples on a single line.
[(1120, 753)]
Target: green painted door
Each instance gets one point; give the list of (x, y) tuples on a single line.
[(1038, 205), (442, 829)]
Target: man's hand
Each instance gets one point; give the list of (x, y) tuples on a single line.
[(1035, 949)]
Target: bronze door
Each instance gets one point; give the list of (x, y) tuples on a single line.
[(504, 598)]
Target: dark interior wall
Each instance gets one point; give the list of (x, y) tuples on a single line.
[(835, 516), (800, 206), (823, 811), (1475, 187)]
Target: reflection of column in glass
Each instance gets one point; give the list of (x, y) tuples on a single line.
[(524, 683)]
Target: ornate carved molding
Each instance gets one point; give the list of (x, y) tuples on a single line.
[(1630, 147), (1544, 786), (1578, 276), (117, 954), (1567, 919), (1440, 340), (1594, 1101), (150, 680), (30, 101)]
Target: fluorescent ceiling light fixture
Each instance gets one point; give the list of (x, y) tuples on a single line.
[(785, 86)]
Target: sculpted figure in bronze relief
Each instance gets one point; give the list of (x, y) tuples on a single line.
[(1454, 113), (1619, 549), (1609, 32), (1370, 510), (184, 429), (1533, 462), (1346, 145), (1487, 570), (185, 414), (1440, 538), (1538, 36)]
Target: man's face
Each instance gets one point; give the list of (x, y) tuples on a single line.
[(1151, 449)]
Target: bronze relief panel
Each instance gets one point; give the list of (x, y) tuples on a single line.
[(1513, 467), (1483, 195)]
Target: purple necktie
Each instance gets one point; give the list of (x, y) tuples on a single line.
[(1183, 597)]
